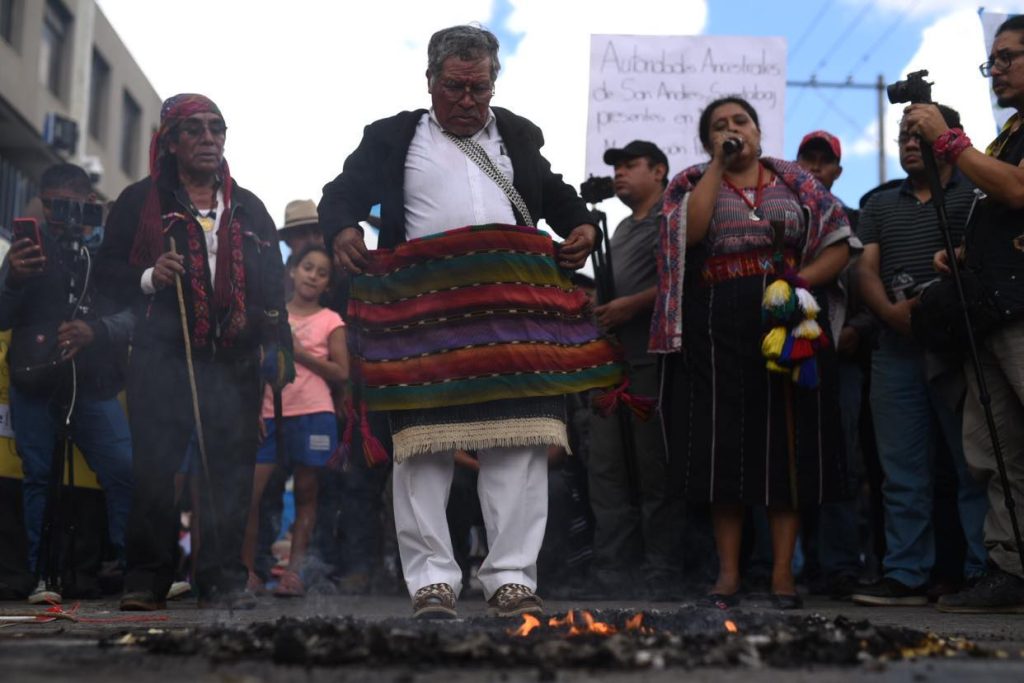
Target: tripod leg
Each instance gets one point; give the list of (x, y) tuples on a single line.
[(48, 560), (68, 498)]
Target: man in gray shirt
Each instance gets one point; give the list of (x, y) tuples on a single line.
[(638, 518)]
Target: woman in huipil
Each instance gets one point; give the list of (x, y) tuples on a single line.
[(744, 431)]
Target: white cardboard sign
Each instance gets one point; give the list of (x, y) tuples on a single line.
[(655, 87)]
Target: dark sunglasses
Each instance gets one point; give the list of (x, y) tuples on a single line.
[(195, 127)]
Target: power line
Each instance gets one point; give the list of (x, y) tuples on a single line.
[(833, 48), (825, 6), (831, 104), (796, 101), (884, 36)]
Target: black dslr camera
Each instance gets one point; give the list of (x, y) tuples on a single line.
[(71, 212), (73, 216), (597, 188), (914, 89)]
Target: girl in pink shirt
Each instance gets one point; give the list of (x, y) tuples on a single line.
[(308, 419)]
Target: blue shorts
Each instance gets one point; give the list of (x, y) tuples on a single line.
[(308, 440)]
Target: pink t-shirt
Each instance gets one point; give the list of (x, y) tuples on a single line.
[(309, 393)]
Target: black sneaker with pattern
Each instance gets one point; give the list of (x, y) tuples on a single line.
[(997, 593), (889, 592), (436, 601), (514, 599)]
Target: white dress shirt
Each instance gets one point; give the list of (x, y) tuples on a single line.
[(445, 189)]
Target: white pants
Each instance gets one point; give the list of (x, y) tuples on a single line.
[(513, 490)]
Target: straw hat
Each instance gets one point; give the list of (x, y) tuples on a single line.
[(299, 212)]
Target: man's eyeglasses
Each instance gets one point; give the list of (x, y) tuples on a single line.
[(195, 127), (904, 138), (1002, 59), (455, 90)]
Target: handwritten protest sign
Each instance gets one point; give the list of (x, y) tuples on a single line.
[(655, 87)]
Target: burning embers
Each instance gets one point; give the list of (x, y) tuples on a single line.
[(579, 623), (688, 637)]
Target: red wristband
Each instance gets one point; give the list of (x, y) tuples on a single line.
[(951, 144)]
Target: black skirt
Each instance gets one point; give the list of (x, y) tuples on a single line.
[(737, 433)]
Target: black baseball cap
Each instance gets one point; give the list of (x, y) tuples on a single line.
[(637, 148)]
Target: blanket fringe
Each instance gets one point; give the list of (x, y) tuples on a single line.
[(471, 436)]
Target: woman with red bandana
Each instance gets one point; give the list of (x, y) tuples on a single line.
[(189, 220)]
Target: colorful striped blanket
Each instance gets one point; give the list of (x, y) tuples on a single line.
[(471, 315)]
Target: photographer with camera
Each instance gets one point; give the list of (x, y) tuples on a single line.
[(68, 351), (637, 536), (900, 233), (993, 253)]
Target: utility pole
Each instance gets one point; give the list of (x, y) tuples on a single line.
[(879, 87)]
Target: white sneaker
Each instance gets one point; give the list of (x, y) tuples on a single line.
[(43, 595), (179, 589)]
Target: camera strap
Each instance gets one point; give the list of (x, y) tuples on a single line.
[(472, 149)]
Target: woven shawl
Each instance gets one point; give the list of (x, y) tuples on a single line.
[(477, 314), (827, 224)]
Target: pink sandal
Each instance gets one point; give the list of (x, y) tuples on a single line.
[(289, 586)]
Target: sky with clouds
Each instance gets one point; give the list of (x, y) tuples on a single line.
[(298, 80)]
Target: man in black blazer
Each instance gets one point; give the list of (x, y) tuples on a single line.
[(419, 166)]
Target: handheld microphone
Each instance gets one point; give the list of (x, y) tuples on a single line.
[(732, 146)]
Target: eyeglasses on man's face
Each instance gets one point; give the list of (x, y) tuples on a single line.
[(195, 127), (1001, 60), (454, 91)]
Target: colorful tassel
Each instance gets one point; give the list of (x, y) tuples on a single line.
[(806, 374), (374, 452), (642, 407), (339, 458), (808, 304), (800, 349), (808, 329), (605, 403), (778, 302), (795, 337), (773, 342)]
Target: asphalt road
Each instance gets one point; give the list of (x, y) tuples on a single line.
[(68, 650)]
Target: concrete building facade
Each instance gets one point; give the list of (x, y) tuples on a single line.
[(62, 58)]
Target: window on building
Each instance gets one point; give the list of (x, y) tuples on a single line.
[(99, 94), (55, 47), (131, 131), (7, 20)]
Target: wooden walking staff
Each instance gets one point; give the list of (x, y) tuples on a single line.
[(196, 415), (779, 266)]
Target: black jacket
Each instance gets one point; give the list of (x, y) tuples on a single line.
[(158, 317), (34, 308), (995, 244), (375, 174)]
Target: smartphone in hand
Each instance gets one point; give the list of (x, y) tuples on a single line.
[(28, 228)]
